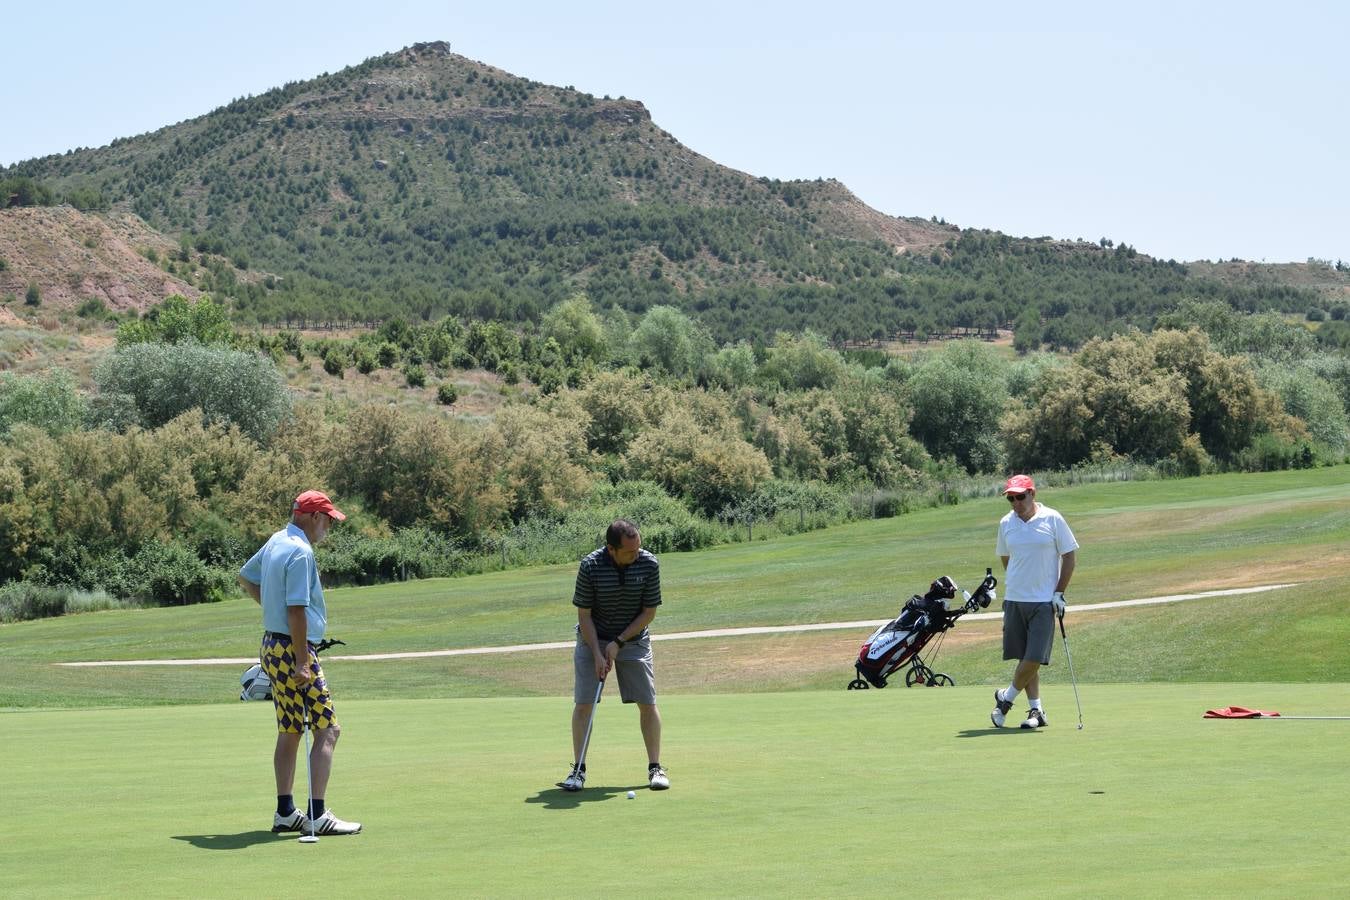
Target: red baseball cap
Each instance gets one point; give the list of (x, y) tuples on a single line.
[(316, 501), (1018, 484)]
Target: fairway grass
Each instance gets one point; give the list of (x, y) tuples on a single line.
[(1139, 539), (808, 794)]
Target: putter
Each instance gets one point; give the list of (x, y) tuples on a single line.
[(1073, 678), (310, 838), (586, 741)]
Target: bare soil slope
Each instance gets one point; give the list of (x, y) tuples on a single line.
[(73, 256)]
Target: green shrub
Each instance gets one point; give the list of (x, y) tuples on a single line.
[(351, 557), (228, 386), (92, 308), (178, 320), (1271, 453), (1189, 461), (51, 402), (173, 575), (21, 601), (335, 362), (666, 524), (218, 542), (1313, 399), (446, 394)]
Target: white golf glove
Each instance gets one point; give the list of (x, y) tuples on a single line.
[(1058, 603)]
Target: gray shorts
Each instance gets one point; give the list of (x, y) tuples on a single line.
[(1028, 631), (633, 668)]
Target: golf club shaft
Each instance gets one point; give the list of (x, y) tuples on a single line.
[(586, 741), (309, 776), (1072, 677)]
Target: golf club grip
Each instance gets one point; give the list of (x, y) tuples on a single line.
[(1061, 628)]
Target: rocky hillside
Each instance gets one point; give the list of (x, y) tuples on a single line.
[(72, 257)]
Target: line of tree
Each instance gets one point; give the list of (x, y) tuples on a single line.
[(155, 485)]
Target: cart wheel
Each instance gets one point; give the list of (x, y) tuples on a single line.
[(914, 676), (857, 684), (938, 680)]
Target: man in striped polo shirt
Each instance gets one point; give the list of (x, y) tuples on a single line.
[(618, 590)]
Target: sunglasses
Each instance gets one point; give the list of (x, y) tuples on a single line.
[(1014, 498)]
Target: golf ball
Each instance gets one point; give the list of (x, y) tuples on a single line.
[(632, 794)]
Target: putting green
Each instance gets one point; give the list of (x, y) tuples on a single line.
[(804, 794)]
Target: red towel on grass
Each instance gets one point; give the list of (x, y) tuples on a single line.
[(1239, 712)]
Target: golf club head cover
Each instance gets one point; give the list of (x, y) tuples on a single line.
[(943, 588)]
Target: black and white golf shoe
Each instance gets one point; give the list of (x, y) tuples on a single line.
[(296, 821), (331, 824), (575, 781), (1035, 719), (1001, 709), (657, 779)]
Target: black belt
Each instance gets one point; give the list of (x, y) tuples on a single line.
[(278, 636)]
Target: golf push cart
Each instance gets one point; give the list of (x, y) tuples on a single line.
[(899, 641)]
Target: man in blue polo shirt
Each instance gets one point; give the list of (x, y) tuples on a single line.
[(283, 579), (617, 592)]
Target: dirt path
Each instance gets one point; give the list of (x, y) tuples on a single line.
[(683, 635)]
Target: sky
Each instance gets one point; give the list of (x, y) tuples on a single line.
[(1189, 131)]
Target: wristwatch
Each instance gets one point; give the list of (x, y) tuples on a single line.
[(620, 642)]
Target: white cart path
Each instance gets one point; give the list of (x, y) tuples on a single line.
[(681, 635)]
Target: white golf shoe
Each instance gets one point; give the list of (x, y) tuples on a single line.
[(1035, 719), (296, 821), (331, 824), (1001, 709), (657, 779), (575, 781)]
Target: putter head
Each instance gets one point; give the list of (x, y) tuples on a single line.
[(309, 838)]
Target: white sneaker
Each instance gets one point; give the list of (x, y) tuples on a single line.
[(1001, 709), (575, 781), (331, 824), (296, 821), (1035, 719), (657, 779)]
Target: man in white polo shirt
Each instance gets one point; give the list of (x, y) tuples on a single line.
[(1038, 550)]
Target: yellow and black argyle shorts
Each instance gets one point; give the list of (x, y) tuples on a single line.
[(288, 698)]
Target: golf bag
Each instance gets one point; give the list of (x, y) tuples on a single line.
[(254, 683), (921, 619)]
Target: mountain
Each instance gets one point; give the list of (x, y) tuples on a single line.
[(421, 183)]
